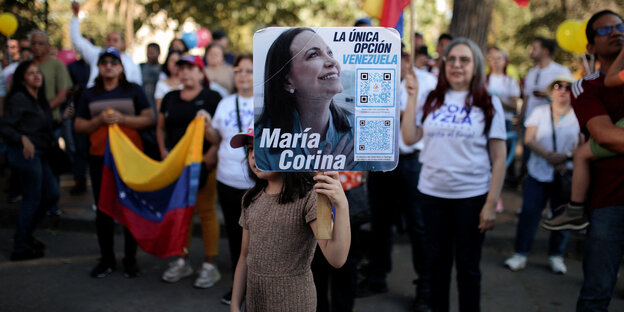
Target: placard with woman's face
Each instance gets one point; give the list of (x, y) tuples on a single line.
[(326, 98)]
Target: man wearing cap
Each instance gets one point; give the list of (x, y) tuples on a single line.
[(113, 100), (90, 52)]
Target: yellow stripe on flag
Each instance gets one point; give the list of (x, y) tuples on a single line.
[(374, 8), (144, 174)]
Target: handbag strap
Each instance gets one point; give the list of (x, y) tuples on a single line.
[(552, 123)]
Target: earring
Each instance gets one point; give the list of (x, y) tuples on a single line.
[(291, 91)]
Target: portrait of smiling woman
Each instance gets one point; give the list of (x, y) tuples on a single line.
[(301, 79)]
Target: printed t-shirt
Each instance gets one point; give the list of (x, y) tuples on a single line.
[(130, 101), (179, 113), (592, 99), (233, 169), (567, 136), (455, 157)]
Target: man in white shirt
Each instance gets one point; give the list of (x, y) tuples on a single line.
[(538, 77), (90, 52)]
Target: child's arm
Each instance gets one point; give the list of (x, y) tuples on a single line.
[(336, 249), (240, 275), (616, 72)]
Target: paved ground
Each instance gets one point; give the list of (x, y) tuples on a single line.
[(61, 282)]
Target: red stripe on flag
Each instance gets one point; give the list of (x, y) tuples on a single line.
[(392, 10), (162, 239)]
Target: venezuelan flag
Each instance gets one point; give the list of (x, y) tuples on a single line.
[(154, 200), (389, 12)]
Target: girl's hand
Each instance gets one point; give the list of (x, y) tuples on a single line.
[(487, 217), (328, 184), (163, 154), (29, 148)]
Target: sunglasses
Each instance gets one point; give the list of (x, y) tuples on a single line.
[(111, 62), (603, 31), (558, 86), (464, 60)]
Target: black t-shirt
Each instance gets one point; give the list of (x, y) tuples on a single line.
[(179, 113)]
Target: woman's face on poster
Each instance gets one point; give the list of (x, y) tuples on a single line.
[(314, 71)]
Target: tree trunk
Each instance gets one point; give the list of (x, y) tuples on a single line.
[(471, 19)]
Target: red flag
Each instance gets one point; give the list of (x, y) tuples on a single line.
[(522, 3)]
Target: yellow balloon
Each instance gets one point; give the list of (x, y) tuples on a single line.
[(567, 35), (580, 44), (8, 24)]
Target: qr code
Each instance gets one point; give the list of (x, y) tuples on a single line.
[(374, 135), (375, 87)]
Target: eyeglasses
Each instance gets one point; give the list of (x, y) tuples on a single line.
[(240, 71), (558, 86), (464, 60), (603, 31), (111, 62)]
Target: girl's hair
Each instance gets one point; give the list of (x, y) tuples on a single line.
[(279, 105), (123, 82), (241, 57), (164, 66), (477, 93), (295, 186), (18, 82)]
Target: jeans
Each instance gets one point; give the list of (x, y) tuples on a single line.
[(394, 200), (79, 156), (534, 197), (40, 191), (104, 224), (602, 258), (336, 284), (452, 235), (230, 200)]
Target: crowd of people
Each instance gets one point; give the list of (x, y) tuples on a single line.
[(445, 204)]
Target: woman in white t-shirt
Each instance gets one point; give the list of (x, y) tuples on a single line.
[(506, 88), (234, 114), (545, 161), (172, 82), (463, 131)]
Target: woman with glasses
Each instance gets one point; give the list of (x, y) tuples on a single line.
[(552, 133), (234, 114), (113, 100), (459, 191)]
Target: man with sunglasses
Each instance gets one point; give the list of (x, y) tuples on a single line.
[(598, 107), (91, 52)]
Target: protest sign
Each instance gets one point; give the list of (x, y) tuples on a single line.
[(326, 98)]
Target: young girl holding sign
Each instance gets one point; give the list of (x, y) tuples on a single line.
[(279, 227)]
